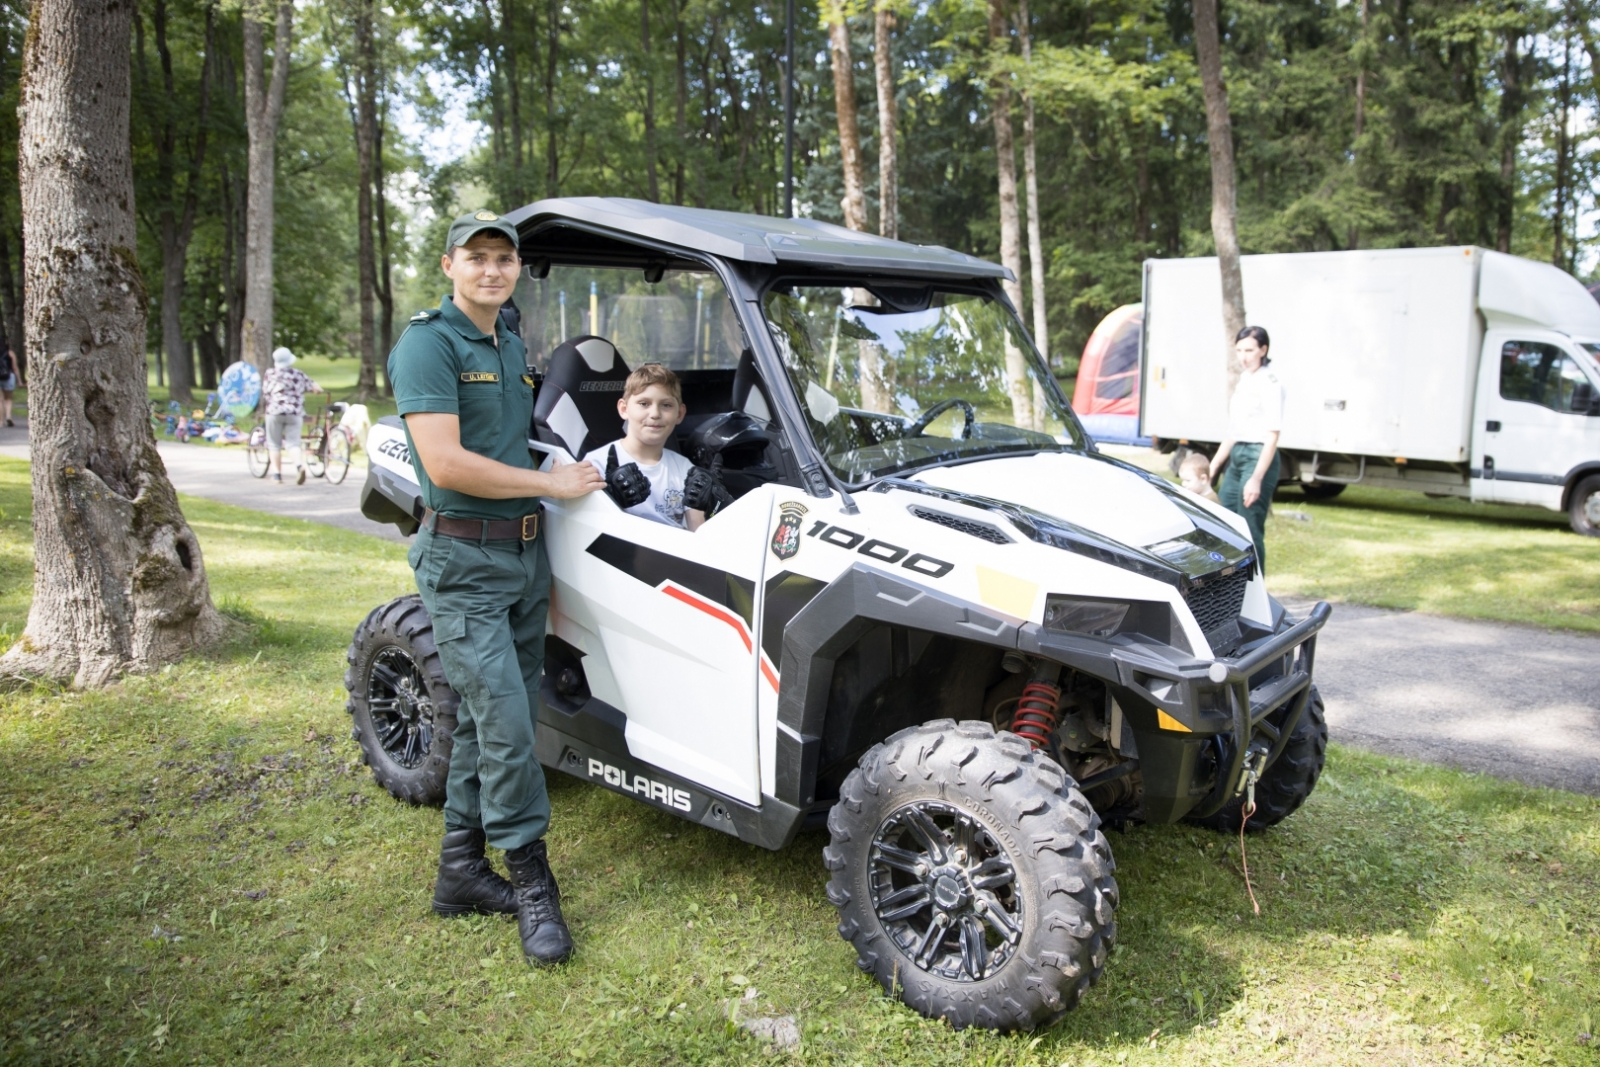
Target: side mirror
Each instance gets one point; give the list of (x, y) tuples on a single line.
[(1585, 400)]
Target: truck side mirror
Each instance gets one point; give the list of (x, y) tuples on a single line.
[(1585, 400)]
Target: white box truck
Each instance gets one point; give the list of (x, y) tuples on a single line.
[(1452, 371)]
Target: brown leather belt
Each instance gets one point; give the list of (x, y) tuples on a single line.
[(523, 529)]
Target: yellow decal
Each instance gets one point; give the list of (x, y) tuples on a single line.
[(1167, 722), (479, 376), (1010, 594)]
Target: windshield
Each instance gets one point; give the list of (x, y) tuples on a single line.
[(913, 377)]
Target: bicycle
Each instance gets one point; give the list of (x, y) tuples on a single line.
[(325, 445)]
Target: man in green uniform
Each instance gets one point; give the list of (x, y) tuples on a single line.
[(461, 383)]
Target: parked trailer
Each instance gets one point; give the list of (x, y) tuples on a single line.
[(1451, 371)]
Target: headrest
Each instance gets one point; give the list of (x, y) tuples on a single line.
[(738, 438), (577, 405)]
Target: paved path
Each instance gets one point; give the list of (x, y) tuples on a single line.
[(1512, 701), (219, 473)]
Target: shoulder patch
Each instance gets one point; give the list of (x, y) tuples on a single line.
[(479, 376), (425, 316)]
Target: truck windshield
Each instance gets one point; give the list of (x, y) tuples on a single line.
[(895, 379)]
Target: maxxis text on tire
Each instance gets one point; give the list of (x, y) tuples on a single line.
[(403, 710), (951, 819), (1288, 782), (1583, 508)]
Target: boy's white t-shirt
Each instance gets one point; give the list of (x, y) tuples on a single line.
[(666, 482)]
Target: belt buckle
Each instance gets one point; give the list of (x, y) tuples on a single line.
[(534, 520)]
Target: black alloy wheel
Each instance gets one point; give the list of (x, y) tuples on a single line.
[(945, 891), (402, 713), (402, 710)]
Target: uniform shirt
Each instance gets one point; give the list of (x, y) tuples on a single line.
[(285, 389), (666, 482), (1256, 409), (443, 363)]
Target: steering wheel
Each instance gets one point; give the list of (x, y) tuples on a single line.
[(916, 428)]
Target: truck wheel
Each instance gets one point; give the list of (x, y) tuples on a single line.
[(403, 709), (1321, 490), (1583, 511), (1287, 783), (971, 876)]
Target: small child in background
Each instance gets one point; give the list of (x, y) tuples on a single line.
[(1195, 473)]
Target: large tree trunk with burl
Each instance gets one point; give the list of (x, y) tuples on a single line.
[(119, 583), (1224, 186), (263, 106)]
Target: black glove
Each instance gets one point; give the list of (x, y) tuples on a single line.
[(703, 489), (626, 484)]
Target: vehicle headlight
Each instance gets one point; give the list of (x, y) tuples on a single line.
[(1084, 615)]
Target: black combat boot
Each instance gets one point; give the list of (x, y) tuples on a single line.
[(545, 938), (467, 884)]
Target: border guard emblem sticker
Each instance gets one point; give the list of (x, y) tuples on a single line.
[(786, 538)]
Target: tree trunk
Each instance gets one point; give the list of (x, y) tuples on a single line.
[(119, 583), (11, 297), (888, 122), (1224, 192), (263, 105), (552, 179), (385, 282), (1010, 230), (365, 94), (1510, 135), (649, 103), (1354, 236), (1036, 264), (681, 120), (844, 99), (508, 41), (175, 217), (1558, 222)]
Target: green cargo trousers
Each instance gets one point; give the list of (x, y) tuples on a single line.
[(1242, 460), (489, 600)]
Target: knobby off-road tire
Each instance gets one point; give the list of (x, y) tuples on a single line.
[(1287, 783), (972, 877), (403, 710)]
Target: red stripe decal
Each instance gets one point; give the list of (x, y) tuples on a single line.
[(711, 609), (768, 673)]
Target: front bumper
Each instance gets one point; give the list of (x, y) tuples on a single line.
[(1195, 723)]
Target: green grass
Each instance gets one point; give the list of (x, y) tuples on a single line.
[(195, 868), (1402, 550)]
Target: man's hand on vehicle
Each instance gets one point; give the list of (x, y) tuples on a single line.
[(569, 480), (626, 483)]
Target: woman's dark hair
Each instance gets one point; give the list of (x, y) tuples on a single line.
[(1259, 336)]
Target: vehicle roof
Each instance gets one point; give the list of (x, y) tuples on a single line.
[(756, 238)]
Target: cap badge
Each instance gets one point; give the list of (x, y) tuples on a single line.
[(486, 216)]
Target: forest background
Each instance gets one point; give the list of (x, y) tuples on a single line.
[(1370, 123)]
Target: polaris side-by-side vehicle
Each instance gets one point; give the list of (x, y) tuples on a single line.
[(933, 615)]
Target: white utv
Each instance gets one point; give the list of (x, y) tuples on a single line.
[(933, 616)]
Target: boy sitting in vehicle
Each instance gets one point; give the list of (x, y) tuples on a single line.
[(645, 477)]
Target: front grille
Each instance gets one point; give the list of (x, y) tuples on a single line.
[(982, 530), (1216, 601)]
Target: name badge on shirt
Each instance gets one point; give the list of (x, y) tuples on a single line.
[(479, 376)]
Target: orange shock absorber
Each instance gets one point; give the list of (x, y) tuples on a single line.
[(1036, 716)]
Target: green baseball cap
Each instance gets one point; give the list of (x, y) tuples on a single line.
[(475, 222)]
